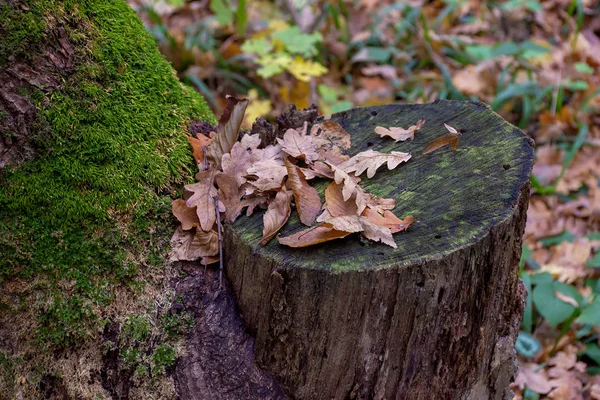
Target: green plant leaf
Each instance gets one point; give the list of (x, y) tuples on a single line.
[(260, 46), (528, 312), (549, 306), (594, 262), (222, 10), (296, 42), (527, 345), (591, 313), (544, 277), (592, 351), (584, 68), (565, 236)]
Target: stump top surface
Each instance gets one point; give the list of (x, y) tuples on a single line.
[(455, 196)]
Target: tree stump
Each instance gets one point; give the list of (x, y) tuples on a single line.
[(435, 318)]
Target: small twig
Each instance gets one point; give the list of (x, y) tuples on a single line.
[(216, 200), (206, 165)]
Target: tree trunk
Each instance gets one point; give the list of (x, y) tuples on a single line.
[(435, 318)]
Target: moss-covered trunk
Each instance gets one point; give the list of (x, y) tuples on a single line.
[(93, 126)]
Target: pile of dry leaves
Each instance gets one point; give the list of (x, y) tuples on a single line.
[(236, 172)]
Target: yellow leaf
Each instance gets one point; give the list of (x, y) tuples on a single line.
[(256, 108), (303, 70)]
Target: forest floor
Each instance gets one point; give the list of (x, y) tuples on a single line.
[(536, 62)]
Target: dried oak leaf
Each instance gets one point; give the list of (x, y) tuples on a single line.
[(230, 194), (199, 146), (243, 154), (269, 174), (298, 146), (400, 134), (227, 130), (186, 215), (334, 229), (329, 136), (192, 245), (350, 187), (306, 197), (311, 236), (277, 215), (202, 198), (388, 220), (371, 160)]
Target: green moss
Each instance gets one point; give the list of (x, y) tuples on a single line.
[(21, 32), (95, 204)]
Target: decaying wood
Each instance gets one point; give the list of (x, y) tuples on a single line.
[(435, 318)]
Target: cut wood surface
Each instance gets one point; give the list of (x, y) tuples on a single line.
[(436, 317)]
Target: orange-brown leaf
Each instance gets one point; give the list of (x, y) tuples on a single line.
[(269, 174), (277, 215), (199, 147), (310, 236), (388, 220), (192, 245), (306, 197), (330, 136), (435, 144), (186, 215), (228, 130), (334, 201), (202, 198), (230, 195), (298, 146)]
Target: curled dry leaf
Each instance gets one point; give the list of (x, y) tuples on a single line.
[(321, 170), (400, 134), (227, 130), (371, 160), (186, 215), (451, 139), (277, 215), (388, 220), (202, 198), (194, 244), (311, 236), (298, 146), (306, 197), (199, 147)]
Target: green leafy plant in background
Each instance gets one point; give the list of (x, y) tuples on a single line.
[(286, 48)]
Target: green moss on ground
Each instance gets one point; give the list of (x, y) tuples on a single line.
[(94, 206)]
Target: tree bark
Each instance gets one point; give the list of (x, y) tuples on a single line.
[(436, 318)]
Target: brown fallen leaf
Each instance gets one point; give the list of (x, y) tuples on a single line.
[(355, 223), (194, 244), (202, 198), (230, 195), (451, 139), (329, 136), (269, 174), (388, 220), (306, 197), (199, 147), (243, 154), (311, 236), (379, 204), (186, 215), (371, 160), (227, 130), (298, 146), (400, 134), (277, 215), (334, 201), (321, 169)]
